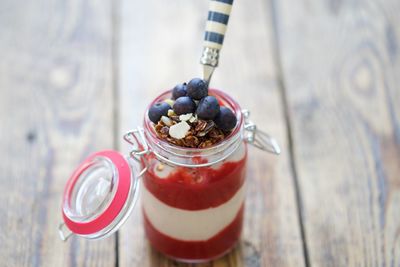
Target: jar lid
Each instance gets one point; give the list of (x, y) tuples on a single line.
[(99, 195)]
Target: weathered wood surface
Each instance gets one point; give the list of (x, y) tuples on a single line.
[(75, 75), (160, 47), (55, 108), (341, 65)]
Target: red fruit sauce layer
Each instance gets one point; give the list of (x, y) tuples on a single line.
[(198, 188), (196, 250)]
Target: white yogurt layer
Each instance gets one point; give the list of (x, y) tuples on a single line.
[(189, 225)]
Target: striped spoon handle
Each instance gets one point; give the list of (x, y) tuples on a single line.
[(217, 21)]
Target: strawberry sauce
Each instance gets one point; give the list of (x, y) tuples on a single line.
[(197, 188)]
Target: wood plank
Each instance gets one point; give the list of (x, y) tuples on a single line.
[(341, 64), (161, 47), (55, 108)]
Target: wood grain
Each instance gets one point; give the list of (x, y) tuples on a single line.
[(56, 107), (341, 65), (160, 47)]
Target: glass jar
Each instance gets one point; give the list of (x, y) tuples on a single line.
[(193, 198)]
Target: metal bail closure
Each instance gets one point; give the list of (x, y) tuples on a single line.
[(258, 138), (99, 196), (140, 148)]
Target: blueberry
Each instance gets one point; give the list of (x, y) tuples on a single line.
[(184, 105), (179, 90), (208, 108), (225, 119), (197, 89), (158, 110)]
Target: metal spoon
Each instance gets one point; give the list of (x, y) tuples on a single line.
[(217, 21)]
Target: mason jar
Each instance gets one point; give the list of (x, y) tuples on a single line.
[(192, 198)]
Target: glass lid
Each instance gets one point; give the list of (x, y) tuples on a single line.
[(99, 196)]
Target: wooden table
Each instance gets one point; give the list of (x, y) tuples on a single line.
[(323, 77)]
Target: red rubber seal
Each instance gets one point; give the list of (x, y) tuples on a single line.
[(116, 204)]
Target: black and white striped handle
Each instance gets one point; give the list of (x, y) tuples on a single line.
[(218, 16), (217, 21)]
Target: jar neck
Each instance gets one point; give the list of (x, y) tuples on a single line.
[(195, 157)]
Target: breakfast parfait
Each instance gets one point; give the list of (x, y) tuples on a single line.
[(193, 201), (192, 151)]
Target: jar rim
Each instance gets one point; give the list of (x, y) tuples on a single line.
[(234, 105)]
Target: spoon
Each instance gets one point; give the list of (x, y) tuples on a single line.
[(217, 21)]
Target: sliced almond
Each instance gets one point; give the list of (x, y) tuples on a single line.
[(171, 113), (193, 118), (185, 117), (179, 130), (167, 121)]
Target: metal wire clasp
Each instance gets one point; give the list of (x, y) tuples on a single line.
[(64, 232), (258, 138), (136, 138)]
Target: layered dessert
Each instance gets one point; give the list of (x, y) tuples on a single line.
[(193, 211)]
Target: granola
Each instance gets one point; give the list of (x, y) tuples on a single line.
[(201, 134)]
